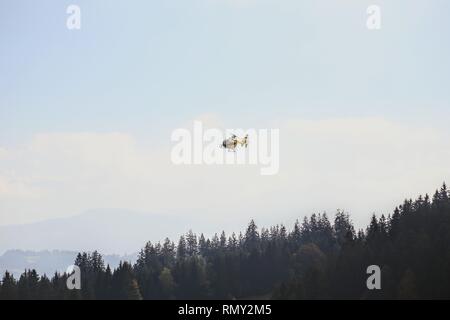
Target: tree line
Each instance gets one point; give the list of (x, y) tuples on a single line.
[(316, 259)]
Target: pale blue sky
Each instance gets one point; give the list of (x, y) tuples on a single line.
[(142, 68)]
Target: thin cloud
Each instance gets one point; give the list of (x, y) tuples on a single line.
[(354, 164)]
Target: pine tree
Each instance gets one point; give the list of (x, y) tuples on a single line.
[(191, 244), (203, 246), (168, 253), (133, 292), (251, 241), (296, 233), (223, 241), (181, 248), (233, 242), (167, 284), (343, 228), (9, 287)]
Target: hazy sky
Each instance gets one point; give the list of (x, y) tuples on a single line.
[(86, 116)]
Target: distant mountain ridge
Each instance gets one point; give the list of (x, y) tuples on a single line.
[(109, 231), (48, 262)]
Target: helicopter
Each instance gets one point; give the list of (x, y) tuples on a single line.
[(232, 142)]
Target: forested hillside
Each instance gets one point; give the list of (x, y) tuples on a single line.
[(316, 259)]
